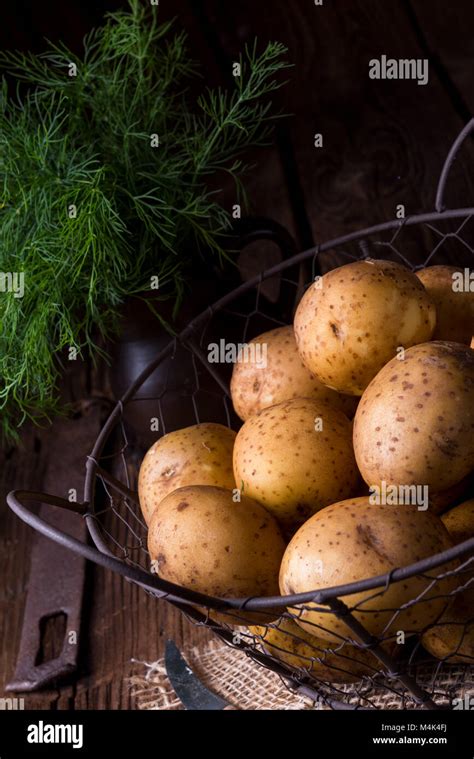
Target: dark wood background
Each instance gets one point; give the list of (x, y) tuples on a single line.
[(384, 144)]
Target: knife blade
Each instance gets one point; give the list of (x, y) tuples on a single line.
[(188, 687)]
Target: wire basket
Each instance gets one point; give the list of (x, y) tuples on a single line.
[(358, 670)]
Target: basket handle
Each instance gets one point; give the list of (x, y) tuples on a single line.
[(162, 588), (250, 229), (451, 157)]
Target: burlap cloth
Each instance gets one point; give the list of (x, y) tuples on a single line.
[(249, 686)]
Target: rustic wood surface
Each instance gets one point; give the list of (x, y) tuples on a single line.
[(384, 143)]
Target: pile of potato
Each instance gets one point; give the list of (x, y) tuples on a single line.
[(371, 387)]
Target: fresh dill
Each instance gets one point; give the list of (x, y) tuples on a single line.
[(105, 169)]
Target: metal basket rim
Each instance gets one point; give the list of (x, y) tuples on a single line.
[(179, 593), (86, 508), (186, 600)]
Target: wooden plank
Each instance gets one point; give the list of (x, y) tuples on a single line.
[(384, 141), (24, 467), (266, 185), (445, 32), (57, 457), (26, 25)]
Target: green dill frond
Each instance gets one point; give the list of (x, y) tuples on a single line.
[(90, 207)]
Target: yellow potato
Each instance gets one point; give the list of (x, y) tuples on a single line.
[(454, 310), (336, 663), (445, 499), (459, 521), (452, 637), (201, 539), (281, 377), (295, 458), (355, 540), (414, 424), (353, 320), (198, 455)]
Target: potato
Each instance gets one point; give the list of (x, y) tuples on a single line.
[(453, 635), (284, 376), (351, 322), (454, 310), (452, 638), (355, 540), (414, 423), (440, 502), (198, 455), (201, 539), (459, 521), (339, 663), (295, 458)]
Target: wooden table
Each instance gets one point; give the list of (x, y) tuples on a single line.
[(384, 144)]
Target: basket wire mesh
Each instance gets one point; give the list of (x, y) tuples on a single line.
[(357, 670)]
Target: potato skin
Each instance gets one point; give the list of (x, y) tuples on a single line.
[(354, 540), (454, 310), (415, 422), (285, 376), (340, 663), (281, 461), (197, 455), (446, 499), (201, 539), (349, 326), (452, 637), (459, 522)]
